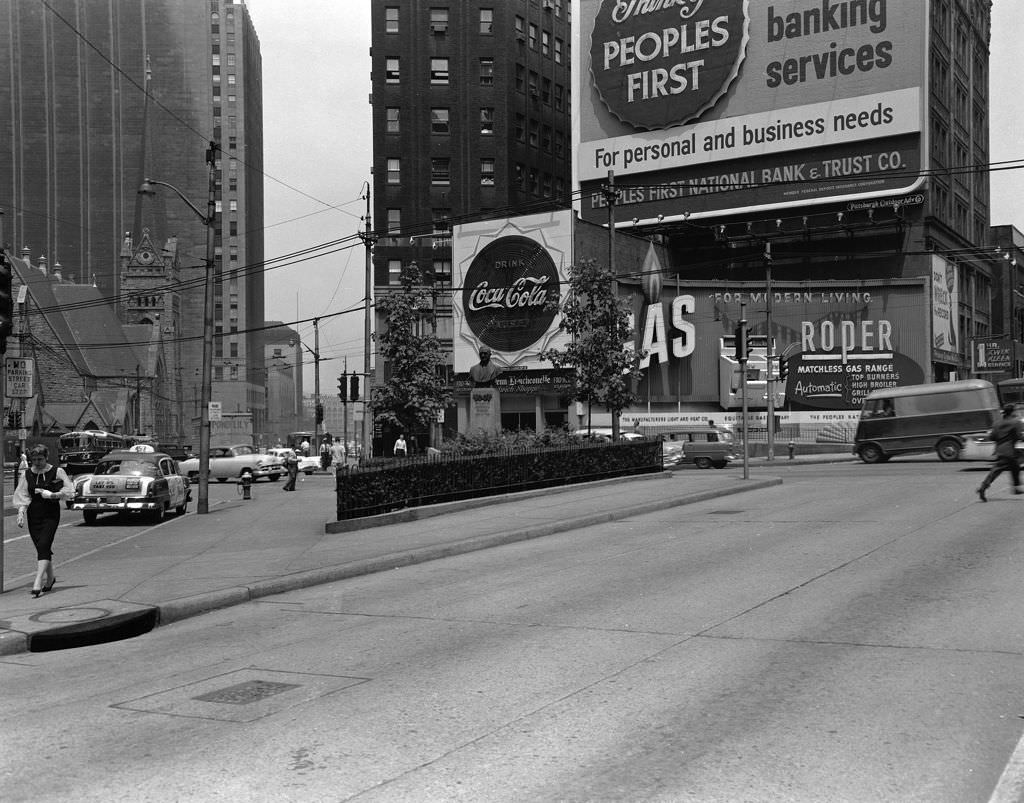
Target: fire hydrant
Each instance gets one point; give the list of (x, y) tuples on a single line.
[(792, 448), (247, 486)]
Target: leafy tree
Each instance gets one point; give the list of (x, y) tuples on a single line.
[(415, 389), (601, 351)]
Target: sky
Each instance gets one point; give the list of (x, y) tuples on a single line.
[(318, 151)]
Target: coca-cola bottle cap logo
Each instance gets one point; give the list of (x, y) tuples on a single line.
[(510, 293)]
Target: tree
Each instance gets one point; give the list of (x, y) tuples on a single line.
[(415, 390), (601, 351)]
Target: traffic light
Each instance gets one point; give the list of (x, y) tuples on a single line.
[(741, 342), (6, 301), (343, 387), (783, 368), (319, 413), (354, 388)]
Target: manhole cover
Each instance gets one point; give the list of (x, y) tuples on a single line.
[(243, 693)]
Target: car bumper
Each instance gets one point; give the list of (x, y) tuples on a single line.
[(273, 471), (123, 504)]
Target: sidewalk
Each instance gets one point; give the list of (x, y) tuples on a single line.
[(278, 542)]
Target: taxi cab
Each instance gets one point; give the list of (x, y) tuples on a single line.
[(132, 481)]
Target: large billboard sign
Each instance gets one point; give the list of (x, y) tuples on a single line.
[(703, 107), (842, 340), (509, 276)]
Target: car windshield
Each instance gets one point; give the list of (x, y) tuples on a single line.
[(134, 468)]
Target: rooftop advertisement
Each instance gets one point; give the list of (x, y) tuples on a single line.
[(508, 276), (704, 107)]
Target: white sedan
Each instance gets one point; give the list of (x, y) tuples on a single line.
[(132, 482), (234, 462)]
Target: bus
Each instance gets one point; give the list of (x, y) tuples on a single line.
[(80, 451), (919, 418)]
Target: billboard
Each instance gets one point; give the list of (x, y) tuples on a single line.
[(842, 340), (946, 308), (508, 275), (705, 107)]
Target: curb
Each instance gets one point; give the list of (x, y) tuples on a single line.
[(111, 628), (175, 610)]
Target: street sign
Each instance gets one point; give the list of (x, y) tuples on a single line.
[(19, 374), (214, 411)]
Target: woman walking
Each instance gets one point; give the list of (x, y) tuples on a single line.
[(38, 495)]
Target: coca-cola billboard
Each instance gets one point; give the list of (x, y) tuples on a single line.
[(510, 293), (508, 275)]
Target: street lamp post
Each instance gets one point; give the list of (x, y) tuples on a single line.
[(209, 220), (315, 351)]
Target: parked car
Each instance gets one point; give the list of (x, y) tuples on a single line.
[(232, 462), (605, 434), (704, 446), (307, 465), (132, 482)]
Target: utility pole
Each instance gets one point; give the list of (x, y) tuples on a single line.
[(770, 349), (369, 239), (611, 196), (741, 353)]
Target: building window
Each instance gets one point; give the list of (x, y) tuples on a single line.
[(520, 29), (545, 90), (545, 43), (391, 19), (558, 50), (532, 85), (216, 59), (391, 116), (439, 121), (394, 173), (545, 138), (392, 71), (487, 172), (486, 120), (486, 20), (533, 36), (520, 128), (559, 97), (439, 20), (520, 77), (440, 170), (442, 221), (559, 144), (394, 222), (486, 72), (534, 133), (439, 71), (394, 271), (231, 80)]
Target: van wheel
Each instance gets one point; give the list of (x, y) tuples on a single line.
[(703, 462), (870, 453), (89, 517), (948, 450)]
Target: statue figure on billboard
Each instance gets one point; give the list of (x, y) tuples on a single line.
[(484, 401)]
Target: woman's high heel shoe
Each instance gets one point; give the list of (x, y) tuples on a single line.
[(36, 592), (50, 586)]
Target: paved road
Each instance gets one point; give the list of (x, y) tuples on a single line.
[(851, 635)]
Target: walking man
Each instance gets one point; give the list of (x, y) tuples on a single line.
[(291, 462), (1005, 435)]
